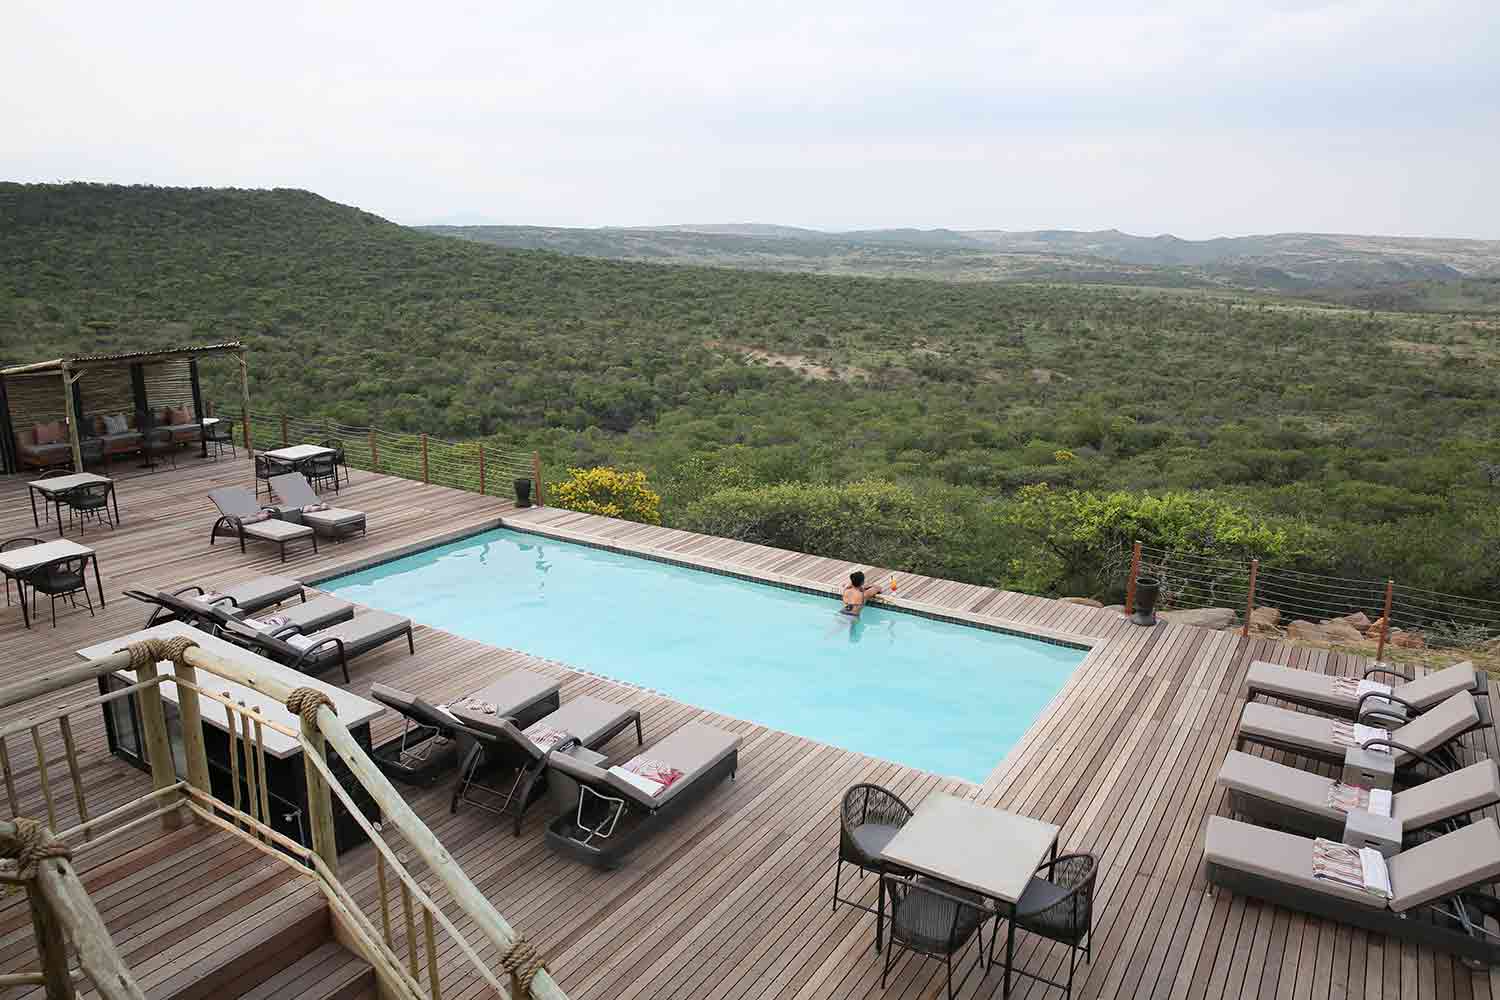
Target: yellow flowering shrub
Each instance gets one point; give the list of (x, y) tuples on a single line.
[(610, 492)]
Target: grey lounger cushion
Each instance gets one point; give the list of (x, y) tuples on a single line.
[(1309, 687), (293, 488), (333, 520), (511, 695), (585, 718), (694, 749), (362, 633), (1466, 857), (318, 613), (1463, 791), (273, 530), (263, 591), (1426, 733)]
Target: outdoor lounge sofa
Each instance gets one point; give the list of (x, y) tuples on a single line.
[(1340, 695), (331, 522), (591, 722), (1434, 899), (1319, 737), (241, 516), (336, 645), (44, 446), (1278, 795), (614, 815), (427, 746)]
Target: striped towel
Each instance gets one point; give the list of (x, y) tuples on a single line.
[(545, 737), (1354, 687), (1360, 868), (1347, 798), (1355, 735)]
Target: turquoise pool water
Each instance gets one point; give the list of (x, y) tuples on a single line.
[(942, 697)]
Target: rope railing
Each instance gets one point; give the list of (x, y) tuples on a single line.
[(474, 466), (408, 953), (1375, 617)]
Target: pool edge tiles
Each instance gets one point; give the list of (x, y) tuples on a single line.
[(902, 684)]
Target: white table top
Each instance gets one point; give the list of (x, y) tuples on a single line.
[(298, 452), (59, 483), (35, 555), (990, 851), (207, 421), (352, 709)]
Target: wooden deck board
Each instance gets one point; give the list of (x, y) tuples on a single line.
[(732, 902)]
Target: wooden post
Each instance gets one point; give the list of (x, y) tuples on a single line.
[(374, 451), (72, 417), (1385, 621), (285, 440), (424, 457), (1250, 600), (50, 946), (208, 408), (1135, 567), (245, 402), (188, 711), (320, 800), (536, 477), (481, 468), (158, 743)]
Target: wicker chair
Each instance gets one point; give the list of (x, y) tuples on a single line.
[(219, 436), (91, 500), (266, 467), (339, 458), (868, 819), (58, 579), (322, 470), (16, 543), (1058, 906), (933, 918)]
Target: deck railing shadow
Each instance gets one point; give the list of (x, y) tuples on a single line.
[(411, 922)]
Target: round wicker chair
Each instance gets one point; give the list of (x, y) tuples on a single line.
[(1058, 904), (868, 818)]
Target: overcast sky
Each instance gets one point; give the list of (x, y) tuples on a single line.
[(1196, 117)]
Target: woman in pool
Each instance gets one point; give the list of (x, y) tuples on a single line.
[(857, 593)]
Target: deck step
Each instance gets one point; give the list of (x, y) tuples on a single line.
[(328, 972)]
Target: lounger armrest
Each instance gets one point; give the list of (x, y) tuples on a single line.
[(1386, 670), (1403, 748), (284, 631), (317, 646), (1359, 706), (183, 590)]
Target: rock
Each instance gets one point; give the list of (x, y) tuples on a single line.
[(1087, 602), (1373, 632), (1201, 617), (1265, 617), (1341, 631), (1358, 620), (1408, 640), (1305, 631)]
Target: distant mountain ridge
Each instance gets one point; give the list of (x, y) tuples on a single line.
[(1286, 262)]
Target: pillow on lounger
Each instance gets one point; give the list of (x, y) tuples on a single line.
[(264, 515), (313, 508)]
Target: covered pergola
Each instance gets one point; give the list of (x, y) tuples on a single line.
[(76, 390)]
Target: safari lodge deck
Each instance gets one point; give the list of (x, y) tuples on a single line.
[(732, 901)]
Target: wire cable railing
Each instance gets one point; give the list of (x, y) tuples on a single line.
[(1373, 617)]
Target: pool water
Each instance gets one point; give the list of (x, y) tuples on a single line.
[(946, 698)]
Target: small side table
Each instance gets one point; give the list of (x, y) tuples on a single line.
[(1369, 768), (1363, 828)]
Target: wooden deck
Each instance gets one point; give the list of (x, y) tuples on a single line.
[(732, 901)]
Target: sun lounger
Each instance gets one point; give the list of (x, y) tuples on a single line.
[(241, 516), (1277, 795), (426, 746), (1327, 739), (334, 522), (1433, 898), (315, 653), (307, 616), (586, 721), (249, 597), (618, 809), (1343, 696)]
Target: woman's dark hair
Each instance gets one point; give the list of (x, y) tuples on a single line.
[(857, 578)]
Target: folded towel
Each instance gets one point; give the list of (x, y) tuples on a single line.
[(300, 641), (475, 705), (268, 623), (652, 788), (1358, 867), (1355, 735), (313, 508), (1347, 798), (654, 770), (264, 515), (545, 737), (1380, 802)]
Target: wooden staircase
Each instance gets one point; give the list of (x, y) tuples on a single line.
[(199, 914)]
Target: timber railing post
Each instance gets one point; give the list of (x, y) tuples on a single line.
[(424, 457), (51, 946), (536, 475), (158, 743), (1250, 600), (285, 440), (1385, 621), (374, 451), (481, 468), (189, 713), (319, 798), (1135, 567)]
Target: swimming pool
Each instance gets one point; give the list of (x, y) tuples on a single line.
[(947, 698)]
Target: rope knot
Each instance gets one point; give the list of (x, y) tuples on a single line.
[(150, 652), (32, 842), (304, 702), (523, 962)]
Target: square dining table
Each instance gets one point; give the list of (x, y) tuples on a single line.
[(298, 453), (985, 850), (16, 562), (52, 491)]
